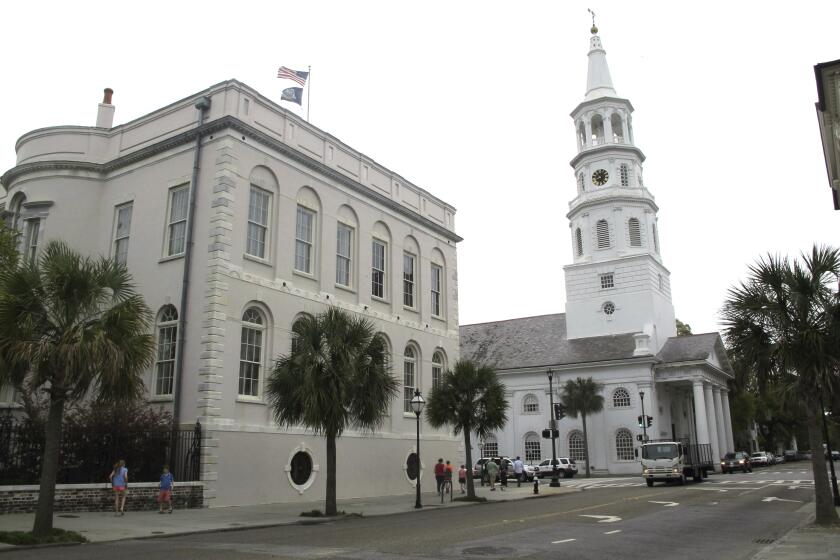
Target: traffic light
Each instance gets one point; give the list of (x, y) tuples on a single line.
[(639, 420), (649, 421), (559, 411)]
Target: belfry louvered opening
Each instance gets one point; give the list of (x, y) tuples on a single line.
[(602, 231), (578, 242), (635, 232)]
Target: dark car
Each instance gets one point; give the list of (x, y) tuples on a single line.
[(791, 455), (737, 461)]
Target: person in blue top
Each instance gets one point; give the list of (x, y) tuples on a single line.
[(166, 485), (119, 481)]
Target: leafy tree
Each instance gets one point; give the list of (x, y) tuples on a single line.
[(793, 309), (683, 329), (471, 399), (8, 246), (583, 397), (336, 376), (71, 326)]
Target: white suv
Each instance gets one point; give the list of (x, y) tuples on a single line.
[(565, 466)]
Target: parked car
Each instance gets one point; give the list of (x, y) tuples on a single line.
[(737, 461), (791, 455), (478, 469), (779, 459), (760, 459), (835, 455), (565, 466)]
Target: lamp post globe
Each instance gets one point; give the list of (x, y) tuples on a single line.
[(417, 403)]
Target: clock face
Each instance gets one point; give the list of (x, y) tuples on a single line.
[(600, 177)]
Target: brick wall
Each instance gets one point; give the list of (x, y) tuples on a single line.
[(99, 497)]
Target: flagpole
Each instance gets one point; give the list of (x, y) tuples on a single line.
[(308, 92)]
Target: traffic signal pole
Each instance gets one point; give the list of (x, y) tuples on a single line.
[(555, 481), (644, 417)]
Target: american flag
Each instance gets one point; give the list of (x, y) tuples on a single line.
[(298, 76)]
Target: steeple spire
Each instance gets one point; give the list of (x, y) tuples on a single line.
[(598, 81)]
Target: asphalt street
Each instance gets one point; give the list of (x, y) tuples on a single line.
[(732, 516)]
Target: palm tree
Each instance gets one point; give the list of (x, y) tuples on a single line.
[(71, 327), (794, 309), (583, 397), (469, 398), (337, 376)]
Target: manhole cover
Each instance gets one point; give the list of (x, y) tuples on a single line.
[(764, 541), (68, 516), (489, 551)]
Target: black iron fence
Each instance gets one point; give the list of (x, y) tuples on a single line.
[(87, 456)]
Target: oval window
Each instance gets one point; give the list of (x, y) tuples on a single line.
[(412, 466), (301, 468)]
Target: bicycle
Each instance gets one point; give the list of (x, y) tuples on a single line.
[(445, 487)]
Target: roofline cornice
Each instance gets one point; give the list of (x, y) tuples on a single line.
[(650, 359), (599, 101), (702, 363), (211, 127), (599, 150), (611, 200)]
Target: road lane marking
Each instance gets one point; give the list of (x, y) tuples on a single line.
[(666, 504), (561, 542), (604, 518), (613, 532), (775, 499)]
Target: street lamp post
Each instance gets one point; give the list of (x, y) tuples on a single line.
[(481, 454), (417, 404), (644, 418), (555, 481), (830, 458)]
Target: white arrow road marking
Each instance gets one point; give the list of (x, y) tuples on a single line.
[(604, 518), (714, 503), (613, 532), (561, 542), (775, 499), (666, 504)]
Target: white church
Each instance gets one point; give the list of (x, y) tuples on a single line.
[(619, 326)]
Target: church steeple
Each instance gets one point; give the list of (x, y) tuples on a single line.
[(617, 282), (598, 80)]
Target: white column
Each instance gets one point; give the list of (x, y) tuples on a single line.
[(701, 425), (712, 424), (624, 129), (721, 426), (608, 131), (727, 420), (587, 126)]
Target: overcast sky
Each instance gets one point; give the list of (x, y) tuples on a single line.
[(471, 101)]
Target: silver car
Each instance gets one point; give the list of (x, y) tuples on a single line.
[(565, 467)]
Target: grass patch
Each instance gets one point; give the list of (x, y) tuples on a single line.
[(468, 499), (25, 538)]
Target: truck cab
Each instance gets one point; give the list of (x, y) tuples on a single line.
[(668, 461)]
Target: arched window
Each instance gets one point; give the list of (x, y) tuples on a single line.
[(602, 231), (621, 398), (624, 174), (409, 376), (617, 129), (597, 130), (635, 231), (578, 242), (533, 448), (167, 337), (437, 368), (251, 352), (624, 445), (576, 446), (581, 136), (655, 239), (491, 446), (530, 404)]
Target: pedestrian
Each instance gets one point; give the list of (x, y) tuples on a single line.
[(119, 482), (518, 470), (462, 479), (440, 473), (503, 474), (492, 469), (167, 483)]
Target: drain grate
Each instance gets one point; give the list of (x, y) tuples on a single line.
[(765, 540)]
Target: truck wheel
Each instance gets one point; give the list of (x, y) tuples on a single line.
[(681, 480), (649, 482)]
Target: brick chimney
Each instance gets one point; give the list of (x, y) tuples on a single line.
[(105, 115)]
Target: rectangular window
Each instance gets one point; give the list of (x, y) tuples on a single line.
[(258, 209), (33, 228), (607, 281), (177, 229), (408, 280), (304, 239), (377, 269), (121, 233), (624, 172), (8, 395), (437, 283), (343, 255)]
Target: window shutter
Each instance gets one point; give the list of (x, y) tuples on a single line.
[(635, 233), (602, 230)]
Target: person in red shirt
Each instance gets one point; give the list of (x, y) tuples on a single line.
[(440, 474)]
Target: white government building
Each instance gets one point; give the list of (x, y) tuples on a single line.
[(287, 221), (619, 327)]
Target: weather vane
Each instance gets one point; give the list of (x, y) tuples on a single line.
[(594, 29)]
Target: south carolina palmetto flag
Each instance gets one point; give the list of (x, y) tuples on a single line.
[(293, 94), (298, 76)]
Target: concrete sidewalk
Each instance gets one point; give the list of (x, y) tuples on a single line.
[(806, 542), (102, 526)]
